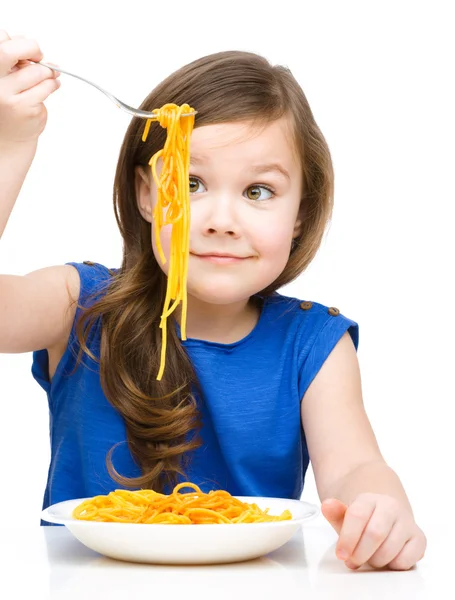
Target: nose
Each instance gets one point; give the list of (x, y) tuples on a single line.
[(221, 218)]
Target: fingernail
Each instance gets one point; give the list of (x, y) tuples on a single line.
[(342, 554)]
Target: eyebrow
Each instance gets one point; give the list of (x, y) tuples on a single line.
[(271, 168), (257, 169), (197, 160)]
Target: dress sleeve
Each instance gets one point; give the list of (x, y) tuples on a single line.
[(93, 276), (318, 341)]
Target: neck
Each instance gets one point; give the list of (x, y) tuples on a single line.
[(223, 323)]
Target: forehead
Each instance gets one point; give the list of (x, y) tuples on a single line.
[(245, 141)]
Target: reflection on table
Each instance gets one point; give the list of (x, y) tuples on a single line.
[(48, 562)]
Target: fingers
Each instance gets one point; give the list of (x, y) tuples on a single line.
[(334, 511), (376, 531), (374, 535), (355, 522), (14, 50), (26, 77), (51, 64), (39, 92), (390, 548), (412, 552)]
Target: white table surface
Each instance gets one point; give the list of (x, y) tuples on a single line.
[(48, 562)]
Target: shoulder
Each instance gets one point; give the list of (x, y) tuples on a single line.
[(312, 328), (93, 278), (310, 316)]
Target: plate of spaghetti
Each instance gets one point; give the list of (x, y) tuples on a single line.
[(183, 527)]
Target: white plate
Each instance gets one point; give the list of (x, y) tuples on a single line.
[(186, 544)]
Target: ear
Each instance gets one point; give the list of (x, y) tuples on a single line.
[(298, 223), (143, 193)]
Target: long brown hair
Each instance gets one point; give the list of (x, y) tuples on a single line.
[(161, 416)]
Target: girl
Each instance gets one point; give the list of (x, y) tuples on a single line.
[(263, 382)]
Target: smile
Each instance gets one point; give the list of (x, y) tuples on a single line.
[(220, 259)]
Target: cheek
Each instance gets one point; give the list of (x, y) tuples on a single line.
[(273, 239), (165, 240)]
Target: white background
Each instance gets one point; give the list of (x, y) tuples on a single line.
[(379, 78)]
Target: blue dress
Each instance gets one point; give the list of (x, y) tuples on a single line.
[(253, 443)]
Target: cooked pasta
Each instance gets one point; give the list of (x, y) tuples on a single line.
[(173, 208), (191, 508)]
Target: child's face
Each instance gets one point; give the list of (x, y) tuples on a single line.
[(245, 191)]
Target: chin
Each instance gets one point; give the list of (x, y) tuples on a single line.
[(221, 292), (216, 297), (226, 287)]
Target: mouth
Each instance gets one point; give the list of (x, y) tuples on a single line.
[(220, 258)]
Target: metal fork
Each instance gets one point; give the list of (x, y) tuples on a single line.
[(129, 109)]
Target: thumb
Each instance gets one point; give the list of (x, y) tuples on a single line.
[(334, 511)]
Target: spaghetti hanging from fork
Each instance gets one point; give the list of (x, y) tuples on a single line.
[(173, 208)]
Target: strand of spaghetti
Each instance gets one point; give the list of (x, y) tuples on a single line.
[(147, 129), (157, 215), (213, 514), (163, 351), (185, 250), (186, 484), (173, 267)]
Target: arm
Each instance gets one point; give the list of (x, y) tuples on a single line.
[(344, 452), (37, 310), (15, 161), (375, 477), (362, 496)]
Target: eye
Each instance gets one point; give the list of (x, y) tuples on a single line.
[(196, 186), (259, 192)]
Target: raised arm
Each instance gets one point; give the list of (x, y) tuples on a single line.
[(36, 310)]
